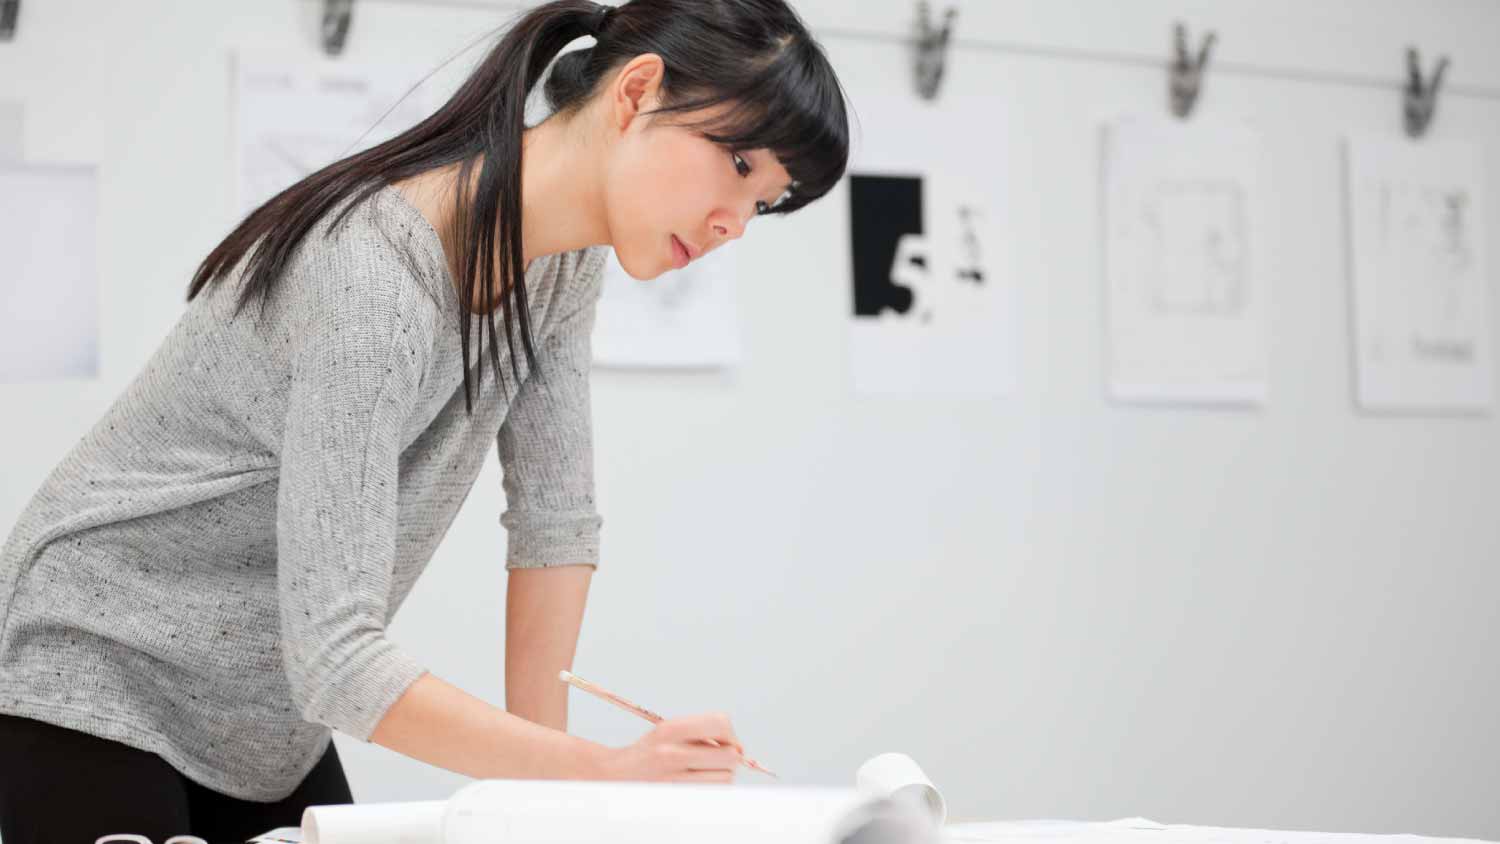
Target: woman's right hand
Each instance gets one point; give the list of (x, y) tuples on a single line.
[(679, 750)]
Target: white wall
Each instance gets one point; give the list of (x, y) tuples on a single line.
[(1062, 607)]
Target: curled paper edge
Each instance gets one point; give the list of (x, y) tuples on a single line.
[(897, 777)]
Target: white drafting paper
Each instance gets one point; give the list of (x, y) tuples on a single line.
[(572, 812), (1142, 831), (896, 776), (931, 303), (374, 823), (1184, 220), (294, 116), (1418, 236), (681, 319), (10, 131), (49, 284)]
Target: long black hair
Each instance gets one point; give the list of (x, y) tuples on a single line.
[(756, 57)]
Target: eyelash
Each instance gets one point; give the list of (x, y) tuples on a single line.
[(743, 168)]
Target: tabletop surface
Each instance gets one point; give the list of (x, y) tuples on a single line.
[(1144, 831)]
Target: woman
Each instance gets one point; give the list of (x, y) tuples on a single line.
[(199, 592)]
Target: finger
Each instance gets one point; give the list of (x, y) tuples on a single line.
[(676, 729), (715, 726), (717, 758), (712, 726), (732, 745), (697, 755), (702, 776)]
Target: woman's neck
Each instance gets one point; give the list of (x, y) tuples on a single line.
[(562, 199), (562, 204)]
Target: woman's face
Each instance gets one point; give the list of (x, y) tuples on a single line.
[(672, 195)]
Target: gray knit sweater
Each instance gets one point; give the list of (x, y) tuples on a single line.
[(208, 574)]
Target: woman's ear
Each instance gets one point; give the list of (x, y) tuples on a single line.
[(636, 89)]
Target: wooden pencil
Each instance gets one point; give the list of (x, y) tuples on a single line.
[(578, 682)]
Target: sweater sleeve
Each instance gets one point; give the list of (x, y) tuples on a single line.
[(546, 443), (359, 345)]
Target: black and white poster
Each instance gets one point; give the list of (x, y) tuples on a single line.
[(930, 298)]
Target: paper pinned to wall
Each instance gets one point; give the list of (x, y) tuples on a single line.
[(1184, 219), (49, 283), (931, 310), (295, 115), (1419, 239), (10, 131), (684, 318)]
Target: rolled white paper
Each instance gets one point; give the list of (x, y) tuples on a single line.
[(897, 777), (568, 812), (375, 823)]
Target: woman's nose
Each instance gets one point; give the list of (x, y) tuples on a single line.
[(729, 227)]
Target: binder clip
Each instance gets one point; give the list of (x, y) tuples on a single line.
[(1185, 77), (336, 18), (932, 50), (10, 10), (1419, 100)]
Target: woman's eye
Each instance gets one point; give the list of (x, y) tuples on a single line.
[(740, 164)]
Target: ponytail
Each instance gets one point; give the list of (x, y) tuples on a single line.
[(481, 123)]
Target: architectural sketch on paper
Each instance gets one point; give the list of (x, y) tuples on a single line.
[(293, 119), (1426, 235), (1196, 233)]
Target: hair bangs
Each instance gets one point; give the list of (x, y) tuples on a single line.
[(794, 107)]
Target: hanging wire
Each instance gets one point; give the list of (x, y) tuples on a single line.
[(1392, 83), (1078, 54)]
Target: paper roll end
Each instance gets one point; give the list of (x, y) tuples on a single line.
[(897, 777), (309, 826)]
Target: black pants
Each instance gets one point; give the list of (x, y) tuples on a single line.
[(61, 786)]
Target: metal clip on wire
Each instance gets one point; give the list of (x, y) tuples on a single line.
[(1185, 78), (336, 18), (932, 49), (10, 11), (1420, 100)]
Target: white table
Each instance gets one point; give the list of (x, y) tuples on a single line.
[(1143, 831)]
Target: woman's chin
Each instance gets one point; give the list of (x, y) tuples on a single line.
[(637, 273)]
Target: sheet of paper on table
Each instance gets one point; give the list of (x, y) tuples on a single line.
[(1144, 831)]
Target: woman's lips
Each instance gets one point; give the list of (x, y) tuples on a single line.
[(681, 255)]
